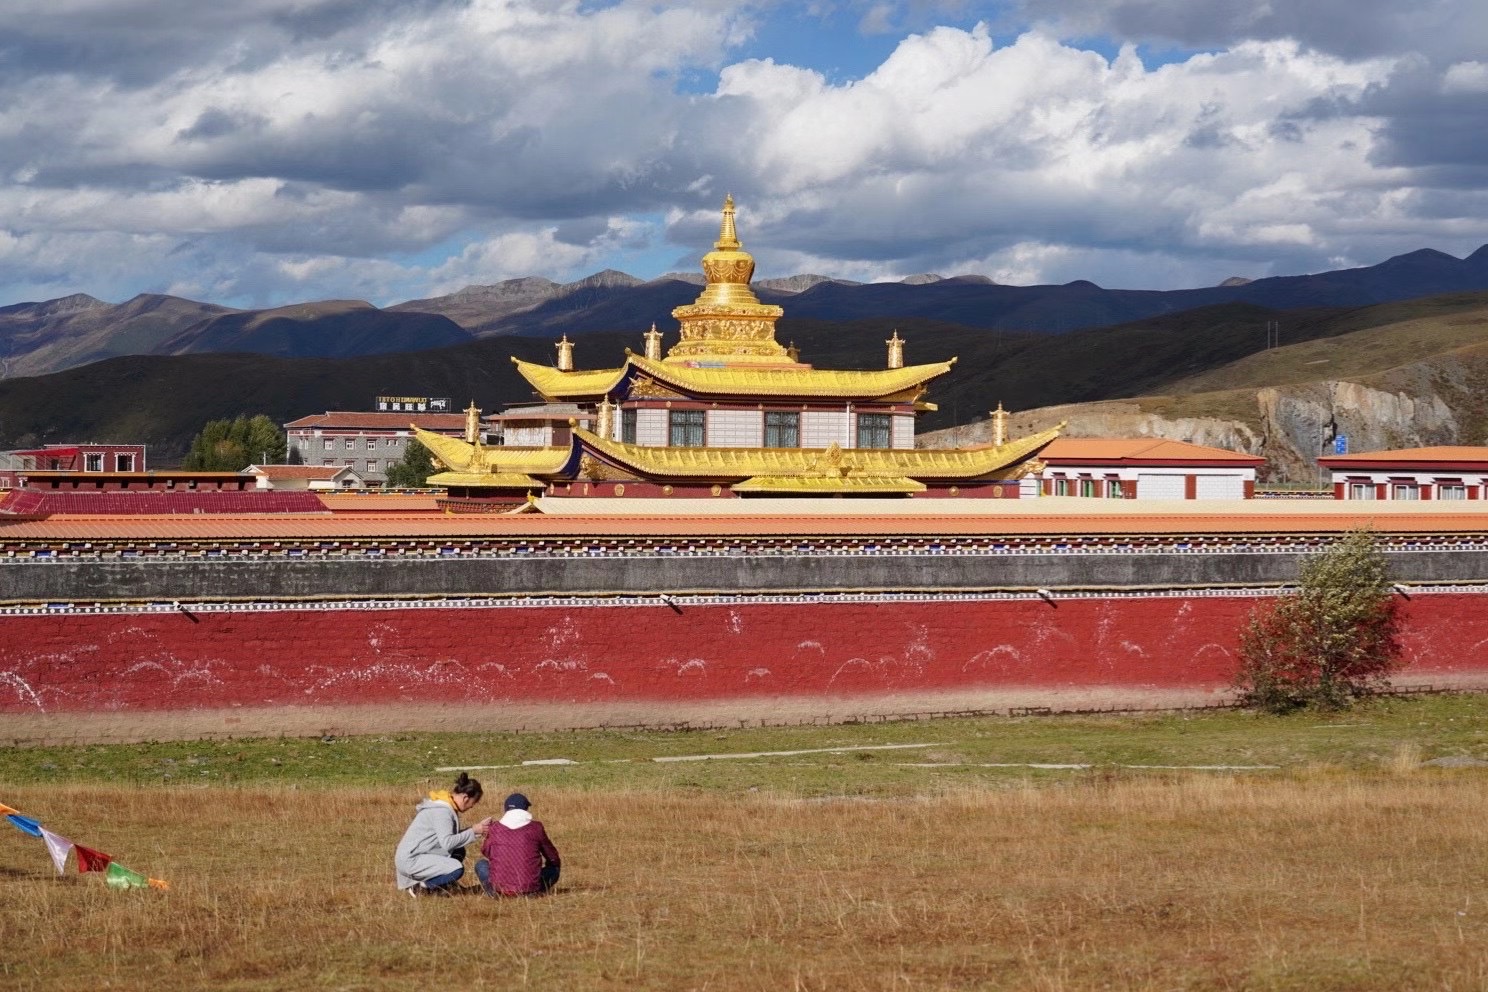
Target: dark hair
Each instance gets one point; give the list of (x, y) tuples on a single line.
[(467, 786)]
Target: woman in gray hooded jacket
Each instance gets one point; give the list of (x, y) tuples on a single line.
[(430, 857)]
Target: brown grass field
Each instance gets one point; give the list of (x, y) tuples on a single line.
[(1315, 878)]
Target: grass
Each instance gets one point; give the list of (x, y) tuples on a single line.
[(1351, 867)]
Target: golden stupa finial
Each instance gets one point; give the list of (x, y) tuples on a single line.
[(565, 354), (728, 323), (472, 424), (999, 426), (653, 343), (728, 237), (896, 350)]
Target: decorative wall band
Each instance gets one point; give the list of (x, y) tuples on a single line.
[(683, 600)]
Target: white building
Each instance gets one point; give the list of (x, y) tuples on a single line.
[(1448, 472), (1142, 468), (369, 442), (290, 478)]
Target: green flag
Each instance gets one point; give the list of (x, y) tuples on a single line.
[(120, 877)]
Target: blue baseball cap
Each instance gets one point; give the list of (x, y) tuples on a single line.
[(516, 801)]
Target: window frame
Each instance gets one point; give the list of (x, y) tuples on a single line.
[(874, 426), (786, 421), (689, 426)]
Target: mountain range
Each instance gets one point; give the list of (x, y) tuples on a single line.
[(39, 338)]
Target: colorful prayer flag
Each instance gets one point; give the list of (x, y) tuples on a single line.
[(24, 824), (57, 847), (91, 860), (159, 883), (119, 877), (6, 810)]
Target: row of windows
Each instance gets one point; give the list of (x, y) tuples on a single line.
[(1406, 490), (370, 465), (329, 444), (93, 462), (687, 429), (1109, 488)]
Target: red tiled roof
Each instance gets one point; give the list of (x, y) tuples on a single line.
[(374, 502), (277, 472), (144, 502), (476, 526), (378, 420), (1439, 456), (1140, 450)]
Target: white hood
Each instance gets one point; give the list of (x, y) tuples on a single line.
[(515, 819)]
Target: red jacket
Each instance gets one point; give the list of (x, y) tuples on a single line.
[(516, 857)]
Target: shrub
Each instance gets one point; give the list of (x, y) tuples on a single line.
[(1334, 639)]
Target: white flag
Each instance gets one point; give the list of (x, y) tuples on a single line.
[(58, 846)]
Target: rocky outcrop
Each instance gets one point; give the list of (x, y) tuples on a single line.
[(1290, 428)]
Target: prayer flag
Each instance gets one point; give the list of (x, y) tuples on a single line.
[(91, 860), (6, 810), (57, 847), (119, 877), (24, 824), (159, 883)]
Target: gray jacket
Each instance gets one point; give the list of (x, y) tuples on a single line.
[(424, 852)]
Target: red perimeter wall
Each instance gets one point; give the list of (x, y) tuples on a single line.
[(611, 653)]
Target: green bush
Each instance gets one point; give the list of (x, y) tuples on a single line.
[(1334, 639)]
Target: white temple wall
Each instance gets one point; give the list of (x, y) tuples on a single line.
[(651, 427), (821, 428), (736, 429), (901, 431)]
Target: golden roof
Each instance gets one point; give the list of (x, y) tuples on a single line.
[(499, 480), (480, 462), (1005, 461), (800, 380), (829, 485)]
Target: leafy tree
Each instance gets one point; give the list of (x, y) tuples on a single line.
[(414, 469), (233, 445), (1336, 638)]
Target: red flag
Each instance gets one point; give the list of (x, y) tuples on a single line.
[(91, 860)]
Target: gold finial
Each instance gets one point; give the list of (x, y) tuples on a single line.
[(604, 424), (999, 426), (472, 423), (653, 343), (792, 352), (565, 354), (896, 350), (728, 238)]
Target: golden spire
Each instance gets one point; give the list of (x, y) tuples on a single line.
[(565, 354), (472, 423), (728, 238), (653, 343), (999, 426), (728, 323), (896, 350), (604, 421)]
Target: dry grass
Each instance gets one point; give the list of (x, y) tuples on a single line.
[(1319, 880)]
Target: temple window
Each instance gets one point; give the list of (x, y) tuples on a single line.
[(782, 430), (1405, 490), (873, 430), (1451, 490), (93, 461), (628, 426), (1361, 490), (123, 462), (686, 429), (1087, 487)]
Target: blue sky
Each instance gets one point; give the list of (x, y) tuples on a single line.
[(269, 151)]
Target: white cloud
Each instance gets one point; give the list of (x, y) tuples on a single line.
[(270, 150), (1466, 77)]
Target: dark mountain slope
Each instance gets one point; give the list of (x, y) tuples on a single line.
[(164, 400), (328, 329)]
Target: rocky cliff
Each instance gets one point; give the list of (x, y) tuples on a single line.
[(1437, 401)]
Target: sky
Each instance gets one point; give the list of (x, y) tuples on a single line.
[(262, 152)]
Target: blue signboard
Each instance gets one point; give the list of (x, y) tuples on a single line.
[(1340, 444)]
